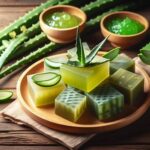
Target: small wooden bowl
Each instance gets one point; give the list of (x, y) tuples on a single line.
[(66, 35), (124, 41)]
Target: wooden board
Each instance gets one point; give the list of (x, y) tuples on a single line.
[(87, 124)]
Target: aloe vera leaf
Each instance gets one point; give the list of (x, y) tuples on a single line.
[(28, 46), (144, 59), (93, 7), (112, 54), (95, 50), (30, 58), (146, 50), (80, 50)]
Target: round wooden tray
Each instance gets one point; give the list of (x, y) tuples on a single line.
[(87, 124)]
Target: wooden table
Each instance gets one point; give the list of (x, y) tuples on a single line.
[(12, 137)]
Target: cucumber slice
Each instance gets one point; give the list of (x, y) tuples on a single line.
[(5, 95), (55, 63), (46, 79), (44, 76)]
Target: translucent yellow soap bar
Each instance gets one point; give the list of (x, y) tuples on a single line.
[(44, 95), (85, 78)]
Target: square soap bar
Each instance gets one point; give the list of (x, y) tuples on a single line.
[(86, 78), (105, 101), (42, 96), (70, 104), (122, 61), (129, 83)]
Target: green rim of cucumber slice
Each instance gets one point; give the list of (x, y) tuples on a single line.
[(5, 96), (47, 79)]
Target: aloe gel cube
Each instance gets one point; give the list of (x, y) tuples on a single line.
[(105, 101), (70, 104), (122, 61), (85, 78), (129, 83), (42, 96)]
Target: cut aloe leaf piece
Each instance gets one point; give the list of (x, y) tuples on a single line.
[(130, 84), (70, 104), (5, 95), (145, 59), (55, 62), (122, 61), (146, 53), (50, 82), (42, 95), (46, 79), (43, 76), (105, 101), (112, 53)]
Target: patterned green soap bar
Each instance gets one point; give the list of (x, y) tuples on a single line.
[(122, 61), (129, 83), (70, 104), (106, 101)]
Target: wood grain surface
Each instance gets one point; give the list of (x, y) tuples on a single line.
[(14, 137)]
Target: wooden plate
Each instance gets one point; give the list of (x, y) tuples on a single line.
[(87, 123)]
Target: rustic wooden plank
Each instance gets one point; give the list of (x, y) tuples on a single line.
[(118, 147), (113, 147), (12, 3), (10, 14), (32, 148), (24, 138)]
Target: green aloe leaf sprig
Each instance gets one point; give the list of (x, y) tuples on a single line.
[(144, 54), (84, 61)]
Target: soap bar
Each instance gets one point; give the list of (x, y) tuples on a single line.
[(42, 96), (129, 83), (106, 101), (85, 78), (70, 104), (122, 61)]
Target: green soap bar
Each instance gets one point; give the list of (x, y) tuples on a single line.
[(85, 78), (129, 83), (42, 96), (122, 61), (105, 101), (70, 104)]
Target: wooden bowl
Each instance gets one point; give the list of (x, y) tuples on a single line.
[(124, 41), (65, 35)]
